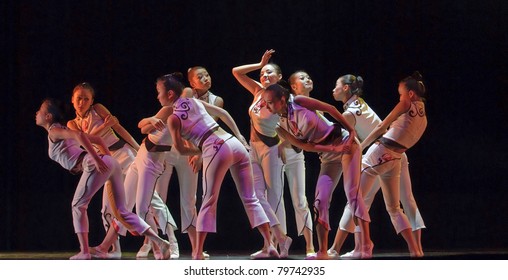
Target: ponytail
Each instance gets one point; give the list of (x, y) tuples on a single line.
[(354, 82)]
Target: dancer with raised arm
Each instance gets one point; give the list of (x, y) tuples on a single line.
[(266, 157)]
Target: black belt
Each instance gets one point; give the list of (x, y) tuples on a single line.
[(392, 145), (151, 147), (267, 140), (118, 145), (206, 135), (296, 149), (334, 134)]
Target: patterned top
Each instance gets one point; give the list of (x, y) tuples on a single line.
[(262, 119), (194, 118), (408, 128), (365, 118), (305, 124)]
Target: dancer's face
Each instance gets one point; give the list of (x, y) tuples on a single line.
[(269, 76), (42, 114), (340, 90), (162, 93), (273, 104), (82, 99), (200, 79), (302, 84)]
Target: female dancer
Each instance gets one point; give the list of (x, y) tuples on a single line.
[(187, 167), (266, 161), (221, 152), (201, 82), (294, 167), (304, 128), (65, 148), (398, 132), (96, 119), (145, 172), (357, 113)]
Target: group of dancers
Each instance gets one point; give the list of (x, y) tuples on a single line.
[(184, 135)]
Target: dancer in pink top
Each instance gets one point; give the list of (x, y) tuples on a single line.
[(194, 131)]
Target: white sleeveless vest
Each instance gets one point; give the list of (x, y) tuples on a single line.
[(261, 118), (195, 120), (365, 118), (408, 128), (66, 151), (92, 120)]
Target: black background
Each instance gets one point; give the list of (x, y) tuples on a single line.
[(458, 168)]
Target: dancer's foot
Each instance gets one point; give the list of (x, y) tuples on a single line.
[(284, 247), (318, 256), (265, 253), (144, 251), (367, 251), (175, 252), (332, 253), (81, 256)]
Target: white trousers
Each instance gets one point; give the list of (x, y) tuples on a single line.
[(188, 181), (124, 156), (380, 162), (295, 174), (332, 166), (223, 152), (406, 198), (140, 184), (268, 173), (90, 182)]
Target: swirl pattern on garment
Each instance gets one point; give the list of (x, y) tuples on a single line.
[(357, 107), (182, 110), (416, 111), (217, 143)]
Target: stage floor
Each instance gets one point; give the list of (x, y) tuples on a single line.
[(430, 255)]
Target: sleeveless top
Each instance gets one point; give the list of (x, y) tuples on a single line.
[(92, 120), (208, 97), (305, 124), (365, 118), (66, 152), (319, 113), (160, 137), (408, 128), (262, 119), (195, 120)]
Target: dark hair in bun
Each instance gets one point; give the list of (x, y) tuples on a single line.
[(354, 82), (415, 83)]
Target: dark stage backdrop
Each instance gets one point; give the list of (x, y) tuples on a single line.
[(458, 168)]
